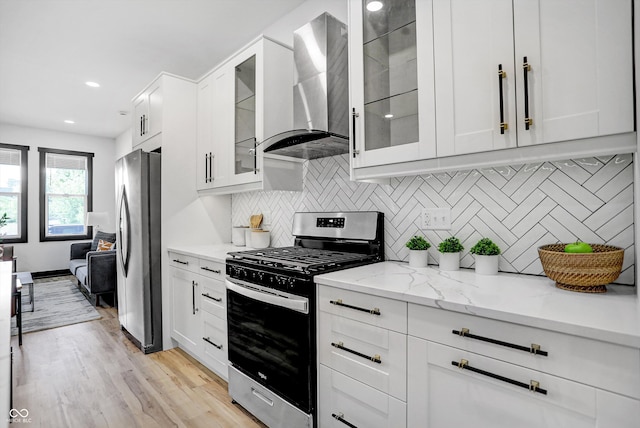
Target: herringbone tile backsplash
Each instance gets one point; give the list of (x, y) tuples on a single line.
[(519, 207)]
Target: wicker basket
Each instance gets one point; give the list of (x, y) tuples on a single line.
[(583, 272)]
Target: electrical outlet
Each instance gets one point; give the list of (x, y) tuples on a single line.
[(436, 218)]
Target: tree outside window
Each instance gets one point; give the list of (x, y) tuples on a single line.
[(13, 193), (66, 194)]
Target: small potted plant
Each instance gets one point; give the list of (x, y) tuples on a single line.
[(450, 250), (486, 253), (418, 254), (3, 222)]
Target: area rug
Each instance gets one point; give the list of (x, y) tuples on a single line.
[(58, 302)]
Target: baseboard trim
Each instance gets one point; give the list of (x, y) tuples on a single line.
[(50, 273)]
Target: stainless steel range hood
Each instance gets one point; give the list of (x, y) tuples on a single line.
[(320, 93)]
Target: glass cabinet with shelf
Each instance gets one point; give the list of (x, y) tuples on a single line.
[(245, 117), (392, 57)]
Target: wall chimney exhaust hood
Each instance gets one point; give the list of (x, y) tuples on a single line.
[(320, 93)]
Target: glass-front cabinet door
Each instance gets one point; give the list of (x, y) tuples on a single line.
[(245, 167), (392, 75)]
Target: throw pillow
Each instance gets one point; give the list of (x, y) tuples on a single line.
[(107, 237), (104, 245)]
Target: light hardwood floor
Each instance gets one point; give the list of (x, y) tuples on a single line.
[(90, 375)]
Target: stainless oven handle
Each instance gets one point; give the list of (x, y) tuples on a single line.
[(300, 304)]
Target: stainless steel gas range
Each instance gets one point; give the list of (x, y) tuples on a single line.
[(271, 304)]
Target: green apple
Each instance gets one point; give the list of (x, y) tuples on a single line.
[(578, 247)]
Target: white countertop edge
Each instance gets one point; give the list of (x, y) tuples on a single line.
[(211, 252), (408, 294)]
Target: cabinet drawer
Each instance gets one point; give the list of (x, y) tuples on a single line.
[(370, 354), (374, 310), (214, 343), (211, 269), (604, 365), (485, 389), (214, 297), (183, 261), (356, 403)]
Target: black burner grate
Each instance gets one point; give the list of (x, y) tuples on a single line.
[(299, 257)]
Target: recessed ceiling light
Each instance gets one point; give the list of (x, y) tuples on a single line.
[(92, 84), (69, 121), (388, 116), (374, 6)]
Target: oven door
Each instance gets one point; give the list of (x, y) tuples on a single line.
[(270, 339)]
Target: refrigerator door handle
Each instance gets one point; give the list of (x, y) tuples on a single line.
[(124, 232)]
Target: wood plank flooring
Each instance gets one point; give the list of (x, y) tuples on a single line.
[(90, 375)]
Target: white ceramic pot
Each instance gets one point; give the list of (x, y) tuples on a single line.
[(237, 236), (486, 265), (418, 258), (247, 237), (449, 261), (260, 238)]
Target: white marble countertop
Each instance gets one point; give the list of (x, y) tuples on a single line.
[(523, 299), (213, 252)]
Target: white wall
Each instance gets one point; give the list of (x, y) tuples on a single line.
[(36, 256), (123, 144)]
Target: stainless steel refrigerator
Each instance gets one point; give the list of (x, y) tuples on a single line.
[(138, 249)]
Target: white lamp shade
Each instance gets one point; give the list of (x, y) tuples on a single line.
[(97, 218)]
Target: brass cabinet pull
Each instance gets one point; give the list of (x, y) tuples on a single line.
[(208, 340), (533, 349), (354, 116), (340, 345), (208, 269), (526, 67), (217, 299), (502, 75), (340, 417), (338, 302), (533, 386)]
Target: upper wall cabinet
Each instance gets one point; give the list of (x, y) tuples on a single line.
[(164, 105), (391, 81), (571, 76), (507, 76), (242, 102), (147, 113)]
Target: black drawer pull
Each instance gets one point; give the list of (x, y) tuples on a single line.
[(340, 417), (374, 311), (180, 261), (210, 270), (533, 349), (340, 345), (206, 339), (217, 299), (533, 385)]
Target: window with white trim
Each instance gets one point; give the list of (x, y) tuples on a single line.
[(13, 193), (65, 194)]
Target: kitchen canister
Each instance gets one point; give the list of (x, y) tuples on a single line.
[(247, 237), (238, 235), (260, 238)]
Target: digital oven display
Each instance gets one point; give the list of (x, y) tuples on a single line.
[(336, 222)]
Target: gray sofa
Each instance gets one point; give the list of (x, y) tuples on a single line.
[(94, 270)]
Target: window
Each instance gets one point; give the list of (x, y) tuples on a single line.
[(66, 189), (13, 192)]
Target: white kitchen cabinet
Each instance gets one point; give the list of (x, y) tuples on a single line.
[(487, 369), (345, 401), (452, 387), (362, 356), (186, 326), (199, 309), (391, 82), (205, 147), (561, 84), (245, 100), (508, 76), (163, 107)]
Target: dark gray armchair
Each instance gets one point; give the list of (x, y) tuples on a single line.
[(94, 270)]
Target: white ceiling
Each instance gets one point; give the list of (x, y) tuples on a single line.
[(50, 48)]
